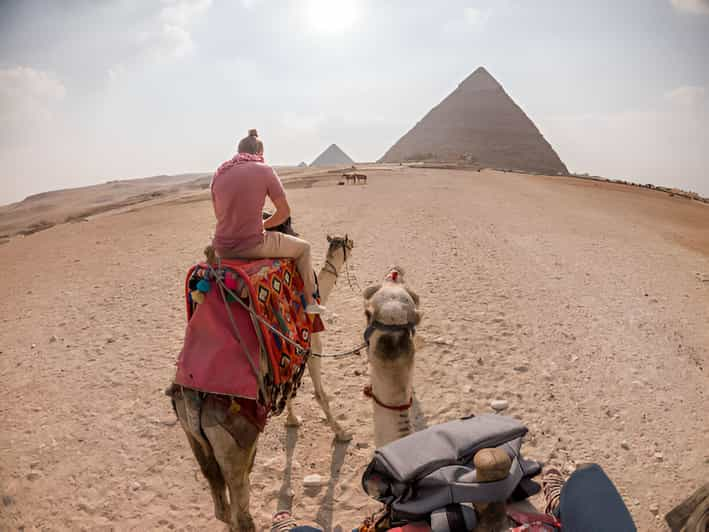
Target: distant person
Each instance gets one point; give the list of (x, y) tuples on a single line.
[(239, 189)]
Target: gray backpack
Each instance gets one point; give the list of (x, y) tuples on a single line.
[(433, 469)]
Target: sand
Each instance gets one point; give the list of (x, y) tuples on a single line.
[(583, 304)]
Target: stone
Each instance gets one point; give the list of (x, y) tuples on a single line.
[(312, 481), (478, 123), (624, 445), (362, 445), (332, 156), (659, 457), (52, 339), (7, 500), (498, 405), (33, 346), (654, 509)]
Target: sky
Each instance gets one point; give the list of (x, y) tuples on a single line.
[(95, 90)]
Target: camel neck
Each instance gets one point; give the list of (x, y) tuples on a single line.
[(391, 386), (327, 279)]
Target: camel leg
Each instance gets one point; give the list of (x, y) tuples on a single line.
[(236, 463), (204, 454), (314, 368), (292, 420), (213, 473)]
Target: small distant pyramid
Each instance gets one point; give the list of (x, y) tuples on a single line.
[(332, 156), (478, 122), (302, 164)]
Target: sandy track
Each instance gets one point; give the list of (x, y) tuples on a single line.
[(583, 304)]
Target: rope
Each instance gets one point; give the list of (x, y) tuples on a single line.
[(254, 315), (349, 280), (355, 351), (241, 341)]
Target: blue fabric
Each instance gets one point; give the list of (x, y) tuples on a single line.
[(305, 529), (590, 503)]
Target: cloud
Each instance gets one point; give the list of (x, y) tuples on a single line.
[(169, 43), (172, 40), (700, 7), (474, 17), (181, 13), (168, 36), (687, 96), (26, 93)]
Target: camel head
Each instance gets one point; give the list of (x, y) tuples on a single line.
[(392, 315), (339, 249)]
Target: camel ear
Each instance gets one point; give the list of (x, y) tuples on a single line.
[(369, 292), (329, 238), (413, 295)]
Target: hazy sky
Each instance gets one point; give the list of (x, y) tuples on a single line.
[(92, 90)]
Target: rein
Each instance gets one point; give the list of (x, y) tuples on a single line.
[(354, 351)]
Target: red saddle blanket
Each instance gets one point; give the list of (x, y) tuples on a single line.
[(214, 357)]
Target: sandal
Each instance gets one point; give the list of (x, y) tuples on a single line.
[(283, 522), (552, 482)]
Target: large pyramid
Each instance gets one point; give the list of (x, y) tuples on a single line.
[(478, 122), (332, 156)]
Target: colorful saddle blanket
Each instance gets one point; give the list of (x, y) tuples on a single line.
[(214, 355)]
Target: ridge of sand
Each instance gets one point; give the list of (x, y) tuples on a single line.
[(47, 209)]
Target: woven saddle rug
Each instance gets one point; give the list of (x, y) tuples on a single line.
[(214, 356)]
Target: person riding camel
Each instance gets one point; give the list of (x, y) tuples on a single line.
[(239, 190)]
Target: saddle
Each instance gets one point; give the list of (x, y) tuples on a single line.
[(247, 335)]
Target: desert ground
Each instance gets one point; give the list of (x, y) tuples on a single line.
[(583, 304)]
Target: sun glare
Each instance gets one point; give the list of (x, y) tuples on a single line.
[(331, 16)]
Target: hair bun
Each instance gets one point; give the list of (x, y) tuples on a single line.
[(253, 133)]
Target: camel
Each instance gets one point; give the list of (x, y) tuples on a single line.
[(354, 178), (392, 315), (223, 436)]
